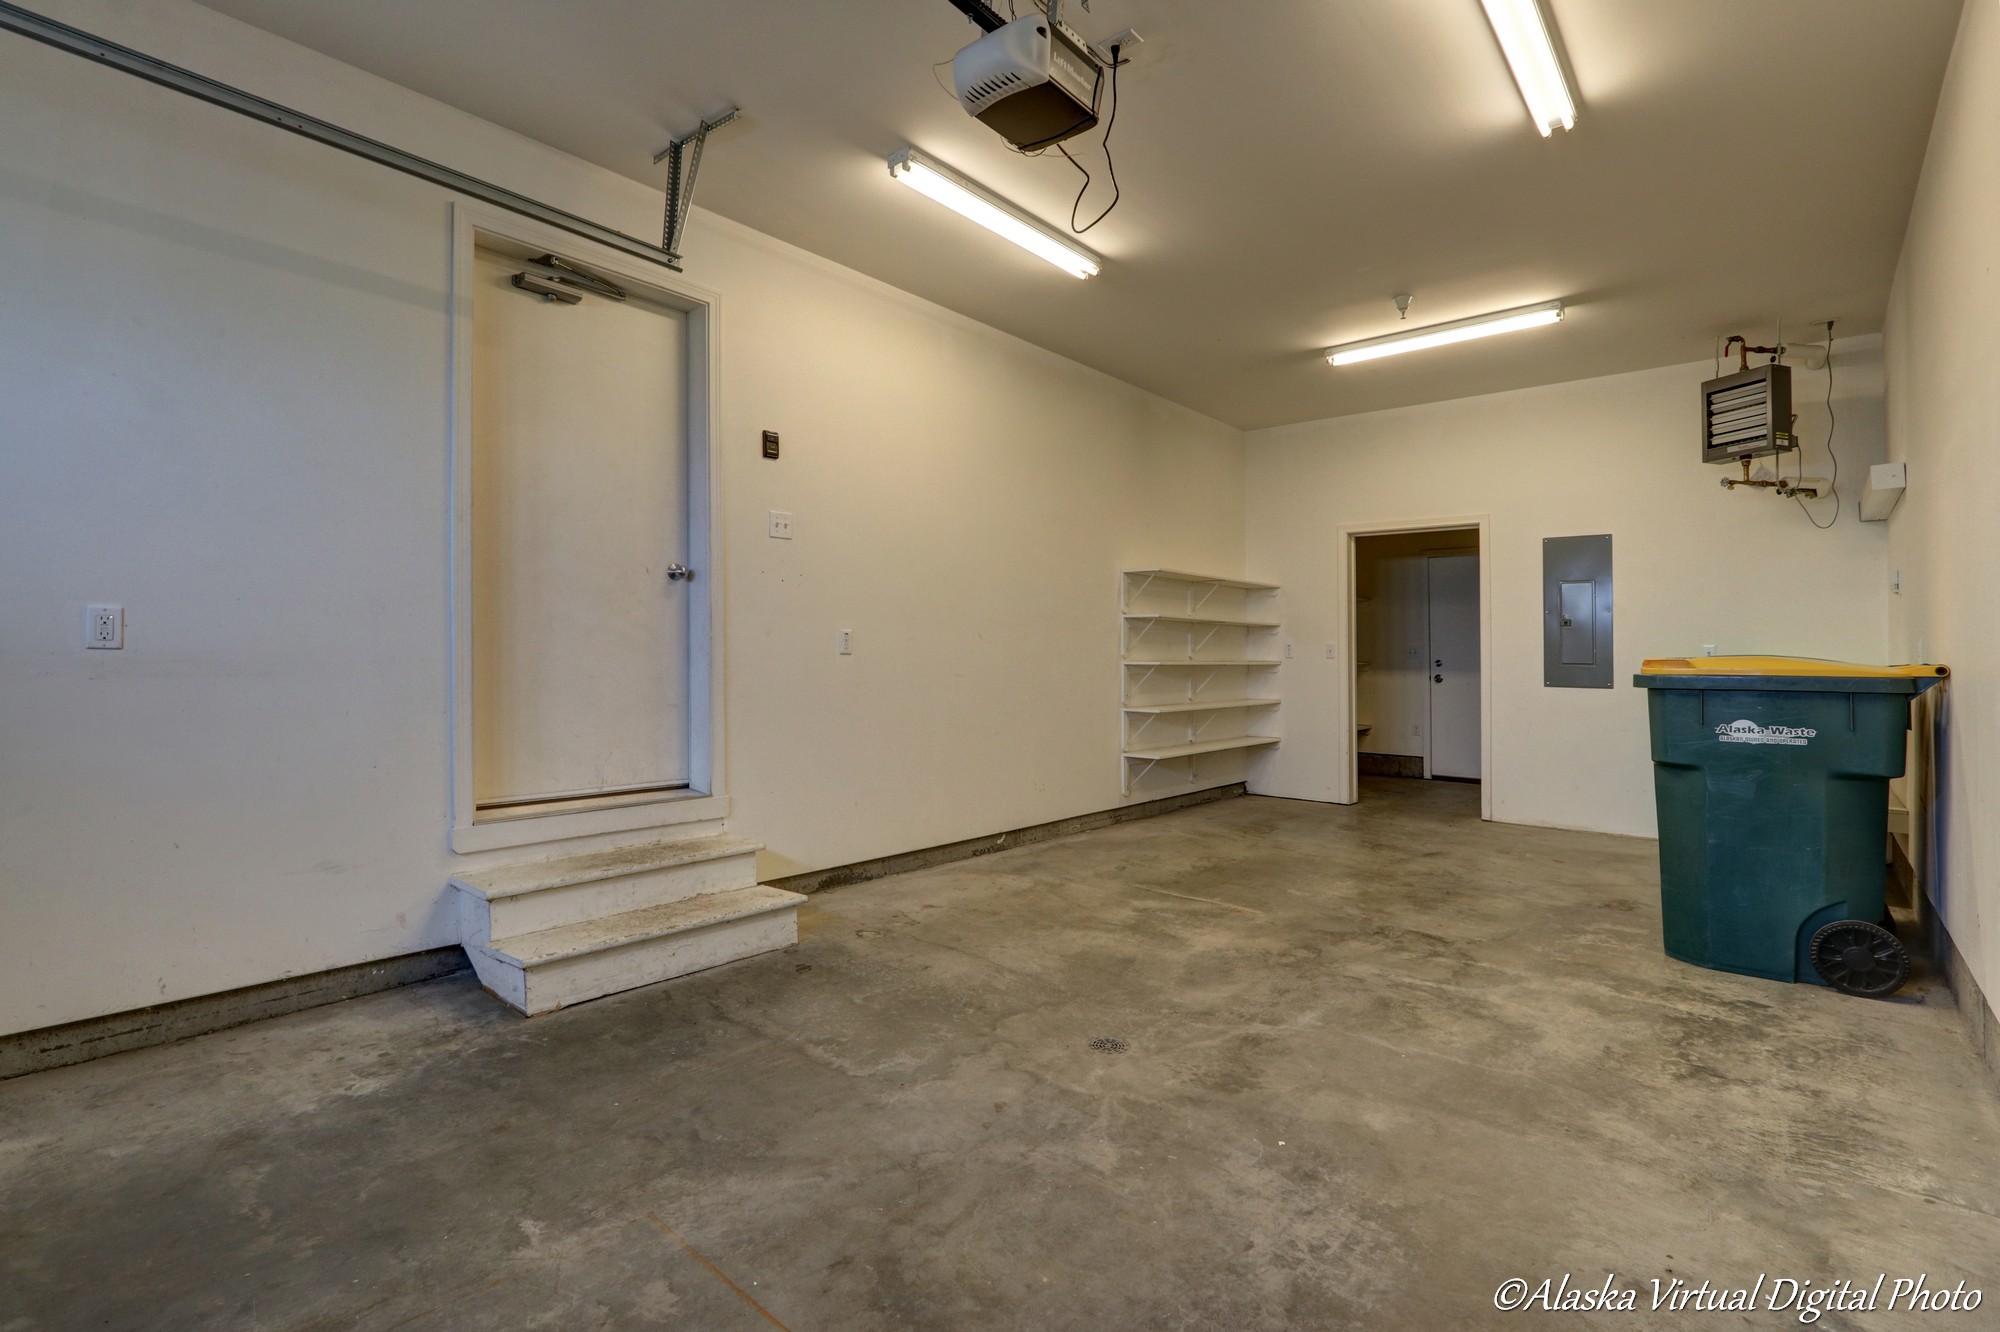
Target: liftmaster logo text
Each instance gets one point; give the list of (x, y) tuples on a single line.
[(1750, 733)]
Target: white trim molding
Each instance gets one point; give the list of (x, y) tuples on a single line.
[(707, 797)]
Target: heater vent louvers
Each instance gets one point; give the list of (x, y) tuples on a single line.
[(1747, 414)]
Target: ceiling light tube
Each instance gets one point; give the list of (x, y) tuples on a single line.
[(1531, 53), (1443, 335), (966, 197)]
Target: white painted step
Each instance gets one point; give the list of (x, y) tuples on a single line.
[(523, 899), (568, 964)]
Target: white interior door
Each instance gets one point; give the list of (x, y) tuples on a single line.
[(1454, 665), (579, 505)]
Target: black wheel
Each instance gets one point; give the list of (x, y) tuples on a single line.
[(1856, 957)]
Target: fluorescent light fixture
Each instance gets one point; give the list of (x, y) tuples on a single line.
[(1443, 335), (1531, 53), (966, 197)]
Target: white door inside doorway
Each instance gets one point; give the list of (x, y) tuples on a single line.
[(1454, 665), (579, 486)]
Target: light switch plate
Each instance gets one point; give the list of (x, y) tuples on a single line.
[(781, 525)]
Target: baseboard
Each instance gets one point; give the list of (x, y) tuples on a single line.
[(74, 1042), (1980, 1023), (819, 881)]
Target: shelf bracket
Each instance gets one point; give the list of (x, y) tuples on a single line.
[(1130, 780)]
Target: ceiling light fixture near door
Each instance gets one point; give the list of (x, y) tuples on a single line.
[(966, 197), (1531, 53), (1443, 335)]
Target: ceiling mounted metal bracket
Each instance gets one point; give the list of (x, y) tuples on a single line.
[(683, 159)]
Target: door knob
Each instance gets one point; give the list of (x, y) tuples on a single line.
[(1437, 679), (679, 573)]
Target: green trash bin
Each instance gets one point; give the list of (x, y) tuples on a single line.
[(1772, 778)]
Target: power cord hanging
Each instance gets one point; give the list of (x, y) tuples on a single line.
[(1833, 484), (1111, 167)]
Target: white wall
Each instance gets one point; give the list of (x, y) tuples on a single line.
[(1944, 420), (1693, 564), (222, 351)]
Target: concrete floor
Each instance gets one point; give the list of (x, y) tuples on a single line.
[(1372, 1062)]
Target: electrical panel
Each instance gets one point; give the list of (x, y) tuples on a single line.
[(1747, 414), (1576, 612)]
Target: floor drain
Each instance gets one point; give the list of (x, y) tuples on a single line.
[(1108, 1045)]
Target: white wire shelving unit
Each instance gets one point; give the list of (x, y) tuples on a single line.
[(1188, 629)]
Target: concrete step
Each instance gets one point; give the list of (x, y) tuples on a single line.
[(523, 899), (568, 964)]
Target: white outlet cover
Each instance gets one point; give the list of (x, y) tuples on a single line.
[(846, 643), (104, 627)]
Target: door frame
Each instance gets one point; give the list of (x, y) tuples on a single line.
[(1349, 791), (706, 797)]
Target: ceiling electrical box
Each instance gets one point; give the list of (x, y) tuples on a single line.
[(1747, 414)]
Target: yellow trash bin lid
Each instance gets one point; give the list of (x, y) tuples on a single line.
[(1790, 666)]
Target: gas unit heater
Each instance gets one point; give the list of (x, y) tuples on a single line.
[(1747, 415)]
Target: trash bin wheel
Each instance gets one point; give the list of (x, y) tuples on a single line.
[(1856, 957)]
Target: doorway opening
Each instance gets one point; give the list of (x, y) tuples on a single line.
[(1417, 634)]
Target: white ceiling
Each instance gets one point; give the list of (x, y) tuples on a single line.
[(1288, 166)]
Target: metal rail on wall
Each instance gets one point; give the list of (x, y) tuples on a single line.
[(63, 37)]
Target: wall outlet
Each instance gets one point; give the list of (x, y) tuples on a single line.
[(1288, 651), (846, 643), (1896, 582), (104, 626), (1416, 730), (781, 525), (1329, 652), (1708, 649)]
